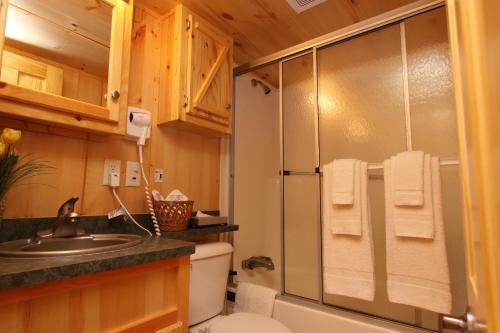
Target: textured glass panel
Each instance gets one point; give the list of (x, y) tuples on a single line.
[(299, 114), (361, 102), (454, 233), (432, 107), (361, 99), (257, 199), (301, 215), (381, 306)]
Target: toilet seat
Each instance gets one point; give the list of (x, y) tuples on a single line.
[(243, 322)]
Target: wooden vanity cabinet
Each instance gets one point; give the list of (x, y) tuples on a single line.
[(149, 298), (196, 74)]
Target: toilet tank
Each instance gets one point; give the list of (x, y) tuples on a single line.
[(208, 280)]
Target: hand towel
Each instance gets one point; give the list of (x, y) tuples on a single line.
[(408, 178), (415, 221), (254, 299), (417, 269), (348, 267), (343, 181), (346, 219)]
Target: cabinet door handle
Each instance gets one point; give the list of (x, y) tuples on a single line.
[(115, 94), (228, 106)]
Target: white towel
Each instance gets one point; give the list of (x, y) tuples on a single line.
[(348, 261), (417, 269), (409, 178), (346, 219), (343, 181), (415, 221), (254, 299)]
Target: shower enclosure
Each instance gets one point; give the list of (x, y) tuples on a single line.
[(365, 95)]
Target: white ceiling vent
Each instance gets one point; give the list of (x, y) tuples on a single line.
[(301, 5)]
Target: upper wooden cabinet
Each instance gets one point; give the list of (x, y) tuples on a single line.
[(196, 74), (65, 62)]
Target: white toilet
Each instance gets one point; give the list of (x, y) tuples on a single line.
[(209, 273)]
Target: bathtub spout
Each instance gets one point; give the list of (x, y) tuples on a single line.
[(260, 261)]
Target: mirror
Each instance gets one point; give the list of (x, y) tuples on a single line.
[(60, 47)]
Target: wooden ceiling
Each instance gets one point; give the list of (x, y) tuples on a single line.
[(261, 27)]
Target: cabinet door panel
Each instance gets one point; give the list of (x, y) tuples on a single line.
[(209, 74)]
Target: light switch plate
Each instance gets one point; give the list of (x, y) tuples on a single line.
[(109, 167), (133, 174), (159, 174)]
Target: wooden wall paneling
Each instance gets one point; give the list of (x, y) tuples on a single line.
[(42, 195), (191, 164), (97, 198), (48, 129)]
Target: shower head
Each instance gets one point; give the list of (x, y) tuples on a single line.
[(265, 88)]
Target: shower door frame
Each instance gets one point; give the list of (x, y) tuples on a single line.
[(396, 16)]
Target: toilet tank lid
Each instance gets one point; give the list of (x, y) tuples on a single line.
[(208, 250)]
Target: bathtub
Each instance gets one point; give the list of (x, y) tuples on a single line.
[(304, 317)]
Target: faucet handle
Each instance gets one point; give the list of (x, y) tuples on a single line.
[(67, 207)]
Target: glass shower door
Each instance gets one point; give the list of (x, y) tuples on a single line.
[(301, 231), (381, 93)]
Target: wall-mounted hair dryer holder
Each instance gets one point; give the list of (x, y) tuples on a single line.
[(138, 124)]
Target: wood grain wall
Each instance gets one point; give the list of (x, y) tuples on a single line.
[(190, 162)]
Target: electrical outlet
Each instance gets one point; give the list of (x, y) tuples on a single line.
[(133, 174), (109, 167), (158, 175)]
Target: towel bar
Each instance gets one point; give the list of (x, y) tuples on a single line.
[(371, 166)]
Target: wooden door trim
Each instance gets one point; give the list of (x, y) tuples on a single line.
[(473, 28)]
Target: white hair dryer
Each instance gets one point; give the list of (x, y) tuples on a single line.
[(138, 125)]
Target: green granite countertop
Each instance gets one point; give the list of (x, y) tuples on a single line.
[(16, 272)]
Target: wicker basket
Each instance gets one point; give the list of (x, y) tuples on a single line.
[(173, 215)]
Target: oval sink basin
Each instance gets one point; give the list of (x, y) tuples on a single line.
[(55, 247)]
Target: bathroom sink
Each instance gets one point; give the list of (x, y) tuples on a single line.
[(55, 247)]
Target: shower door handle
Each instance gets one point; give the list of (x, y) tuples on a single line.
[(467, 323)]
